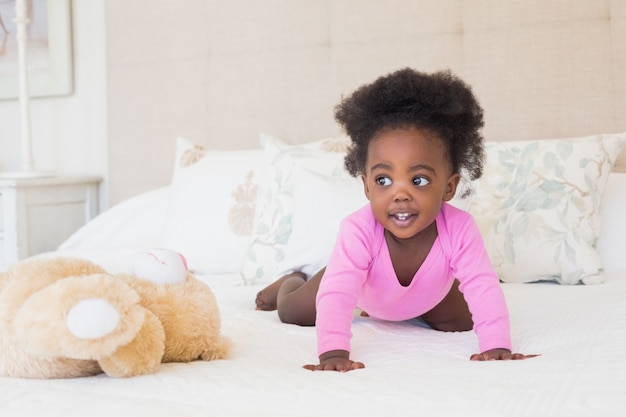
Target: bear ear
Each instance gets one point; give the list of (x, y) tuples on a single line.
[(161, 266)]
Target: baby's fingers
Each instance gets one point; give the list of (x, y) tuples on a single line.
[(340, 367), (353, 366), (500, 356), (520, 356)]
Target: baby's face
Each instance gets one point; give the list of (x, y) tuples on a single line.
[(407, 176)]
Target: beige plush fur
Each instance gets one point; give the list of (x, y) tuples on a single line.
[(157, 322)]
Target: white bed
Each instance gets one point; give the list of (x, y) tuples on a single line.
[(579, 330)]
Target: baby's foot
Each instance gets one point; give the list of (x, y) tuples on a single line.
[(266, 298)]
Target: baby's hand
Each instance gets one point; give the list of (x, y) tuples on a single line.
[(499, 355), (341, 365), (336, 360)]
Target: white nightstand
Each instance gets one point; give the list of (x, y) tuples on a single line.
[(38, 214)]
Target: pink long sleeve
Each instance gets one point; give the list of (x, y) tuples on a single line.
[(360, 273)]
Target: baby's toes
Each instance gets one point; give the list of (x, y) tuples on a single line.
[(262, 304)]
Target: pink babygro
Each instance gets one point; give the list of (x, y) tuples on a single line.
[(360, 273)]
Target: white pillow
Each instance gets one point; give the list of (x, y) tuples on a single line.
[(273, 224), (538, 207), (133, 224), (320, 203), (613, 231), (212, 206)]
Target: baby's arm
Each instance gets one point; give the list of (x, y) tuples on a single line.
[(338, 292), (480, 286)]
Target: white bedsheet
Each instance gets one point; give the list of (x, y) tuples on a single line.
[(580, 332)]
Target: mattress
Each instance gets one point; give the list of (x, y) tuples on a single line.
[(579, 332)]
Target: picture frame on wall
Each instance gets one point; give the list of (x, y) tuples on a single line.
[(48, 51)]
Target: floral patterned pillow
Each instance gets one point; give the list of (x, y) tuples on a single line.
[(274, 211), (212, 204), (538, 207)]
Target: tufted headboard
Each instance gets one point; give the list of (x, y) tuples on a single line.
[(228, 70)]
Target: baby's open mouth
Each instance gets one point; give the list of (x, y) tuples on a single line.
[(402, 216)]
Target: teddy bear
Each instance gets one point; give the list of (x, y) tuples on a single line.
[(63, 317)]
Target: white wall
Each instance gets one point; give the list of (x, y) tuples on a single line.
[(69, 133)]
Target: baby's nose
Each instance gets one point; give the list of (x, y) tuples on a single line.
[(401, 193)]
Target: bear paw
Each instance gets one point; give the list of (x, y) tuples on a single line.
[(142, 355), (92, 318), (80, 317)]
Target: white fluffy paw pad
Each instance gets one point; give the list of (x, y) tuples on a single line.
[(92, 318)]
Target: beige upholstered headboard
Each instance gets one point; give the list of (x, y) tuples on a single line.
[(227, 70)]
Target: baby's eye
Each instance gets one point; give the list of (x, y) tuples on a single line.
[(420, 181), (383, 181)]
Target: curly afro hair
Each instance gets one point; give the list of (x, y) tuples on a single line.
[(439, 102)]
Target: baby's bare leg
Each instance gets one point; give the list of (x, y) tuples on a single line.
[(294, 297), (296, 300), (266, 298), (451, 314)]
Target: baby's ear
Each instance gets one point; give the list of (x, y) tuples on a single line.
[(453, 183), (365, 186)]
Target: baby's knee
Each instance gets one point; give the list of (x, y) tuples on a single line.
[(292, 313)]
